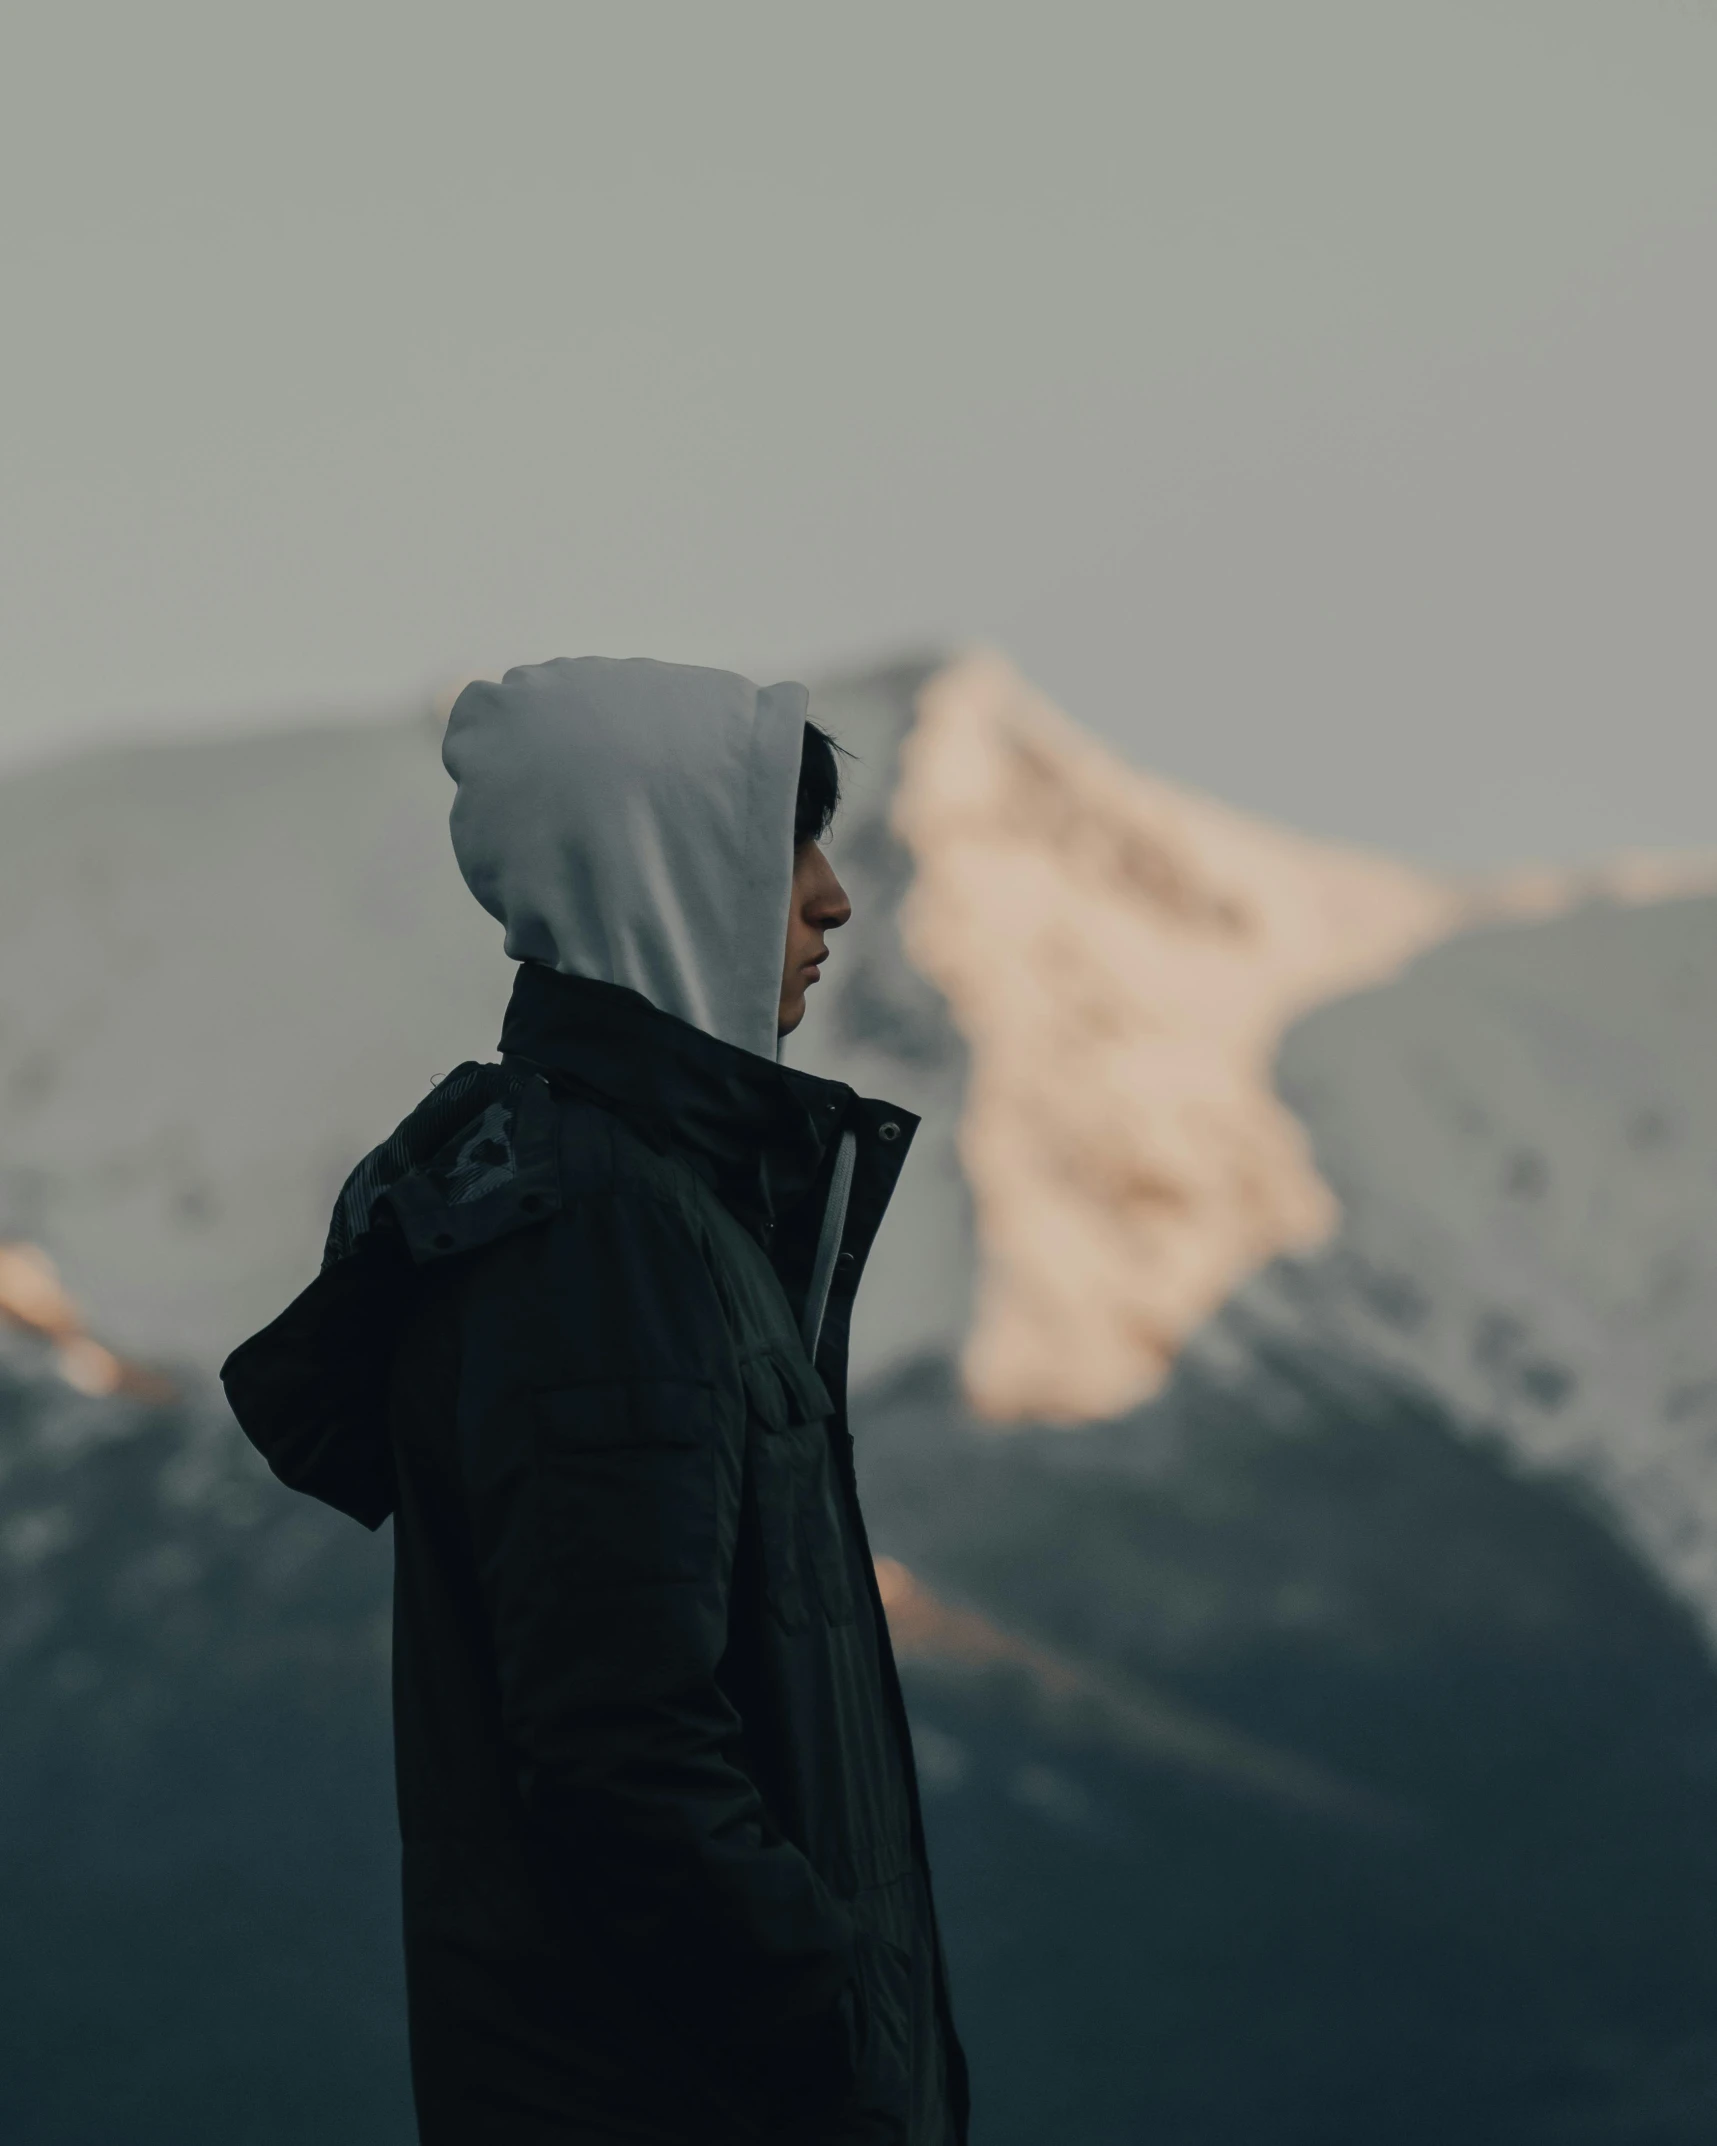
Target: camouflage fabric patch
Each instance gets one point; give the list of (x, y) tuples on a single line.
[(485, 1161), (443, 1110)]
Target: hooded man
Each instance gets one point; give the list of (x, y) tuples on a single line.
[(581, 1326)]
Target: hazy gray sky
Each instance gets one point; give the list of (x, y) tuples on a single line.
[(1316, 398)]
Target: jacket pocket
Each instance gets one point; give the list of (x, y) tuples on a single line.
[(626, 1477), (799, 1510), (850, 2084)]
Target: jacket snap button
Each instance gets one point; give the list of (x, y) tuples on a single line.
[(531, 1202), (845, 1260), (442, 1242), (888, 1131)]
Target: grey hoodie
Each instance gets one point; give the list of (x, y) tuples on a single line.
[(632, 822)]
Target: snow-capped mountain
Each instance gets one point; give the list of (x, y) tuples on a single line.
[(1522, 1134), (1220, 1073), (227, 968)]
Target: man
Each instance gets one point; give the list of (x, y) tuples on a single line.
[(581, 1326)]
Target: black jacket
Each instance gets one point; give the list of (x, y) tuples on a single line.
[(664, 1867)]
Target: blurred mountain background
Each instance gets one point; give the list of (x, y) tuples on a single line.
[(1287, 1389), (1286, 1395)]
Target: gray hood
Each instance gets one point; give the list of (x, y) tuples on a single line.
[(632, 822)]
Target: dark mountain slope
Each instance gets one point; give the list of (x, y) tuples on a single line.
[(1519, 1949), (197, 1852), (1503, 1937)]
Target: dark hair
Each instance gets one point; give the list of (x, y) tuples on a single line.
[(819, 786)]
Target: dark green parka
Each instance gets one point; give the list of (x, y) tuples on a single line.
[(664, 1867)]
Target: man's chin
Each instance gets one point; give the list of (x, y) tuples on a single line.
[(788, 1017)]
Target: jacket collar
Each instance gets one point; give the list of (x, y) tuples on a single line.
[(759, 1133)]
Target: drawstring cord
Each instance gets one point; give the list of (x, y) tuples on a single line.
[(828, 1243)]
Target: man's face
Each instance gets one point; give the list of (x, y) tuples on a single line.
[(818, 906)]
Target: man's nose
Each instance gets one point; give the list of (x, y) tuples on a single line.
[(834, 909)]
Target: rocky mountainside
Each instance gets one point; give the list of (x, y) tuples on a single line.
[(1286, 1418), (1522, 1134)]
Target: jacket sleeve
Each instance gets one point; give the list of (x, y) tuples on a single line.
[(601, 1430)]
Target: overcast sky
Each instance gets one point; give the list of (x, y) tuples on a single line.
[(1317, 399)]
